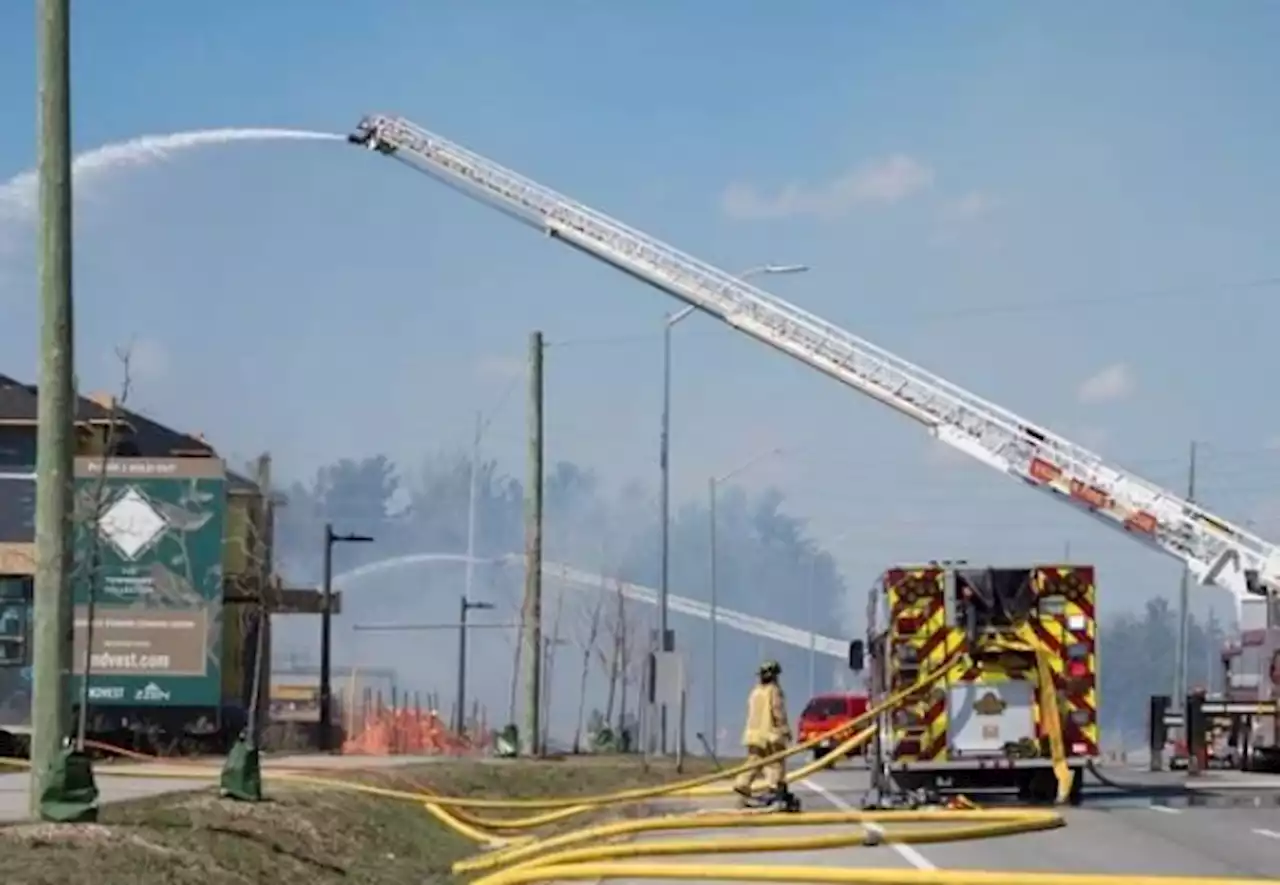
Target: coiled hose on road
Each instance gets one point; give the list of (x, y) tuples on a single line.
[(512, 855)]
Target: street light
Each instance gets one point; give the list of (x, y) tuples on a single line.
[(712, 485), (326, 630), (666, 641), (813, 614), (465, 605)]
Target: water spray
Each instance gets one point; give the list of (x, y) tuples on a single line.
[(18, 194)]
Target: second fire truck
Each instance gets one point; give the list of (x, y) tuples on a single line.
[(1017, 703)]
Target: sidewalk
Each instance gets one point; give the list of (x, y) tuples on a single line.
[(129, 780)]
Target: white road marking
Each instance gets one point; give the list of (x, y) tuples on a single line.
[(906, 852), (1164, 809), (1270, 834)]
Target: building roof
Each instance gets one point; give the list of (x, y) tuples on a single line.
[(152, 436), (18, 402)]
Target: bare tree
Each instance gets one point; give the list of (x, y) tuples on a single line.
[(517, 648), (87, 565), (614, 662), (588, 647), (254, 592)]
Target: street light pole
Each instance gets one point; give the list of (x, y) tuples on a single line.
[(813, 639), (666, 642), (813, 610), (465, 605), (326, 641), (326, 631), (713, 485), (713, 707), (472, 495)]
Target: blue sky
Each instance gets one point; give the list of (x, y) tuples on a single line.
[(1057, 208)]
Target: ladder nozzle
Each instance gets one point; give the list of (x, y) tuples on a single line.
[(365, 134)]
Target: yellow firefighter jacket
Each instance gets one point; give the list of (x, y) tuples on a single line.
[(766, 717)]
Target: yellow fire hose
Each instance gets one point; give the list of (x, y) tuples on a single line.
[(594, 852)]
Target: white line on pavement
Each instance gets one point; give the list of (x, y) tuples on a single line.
[(1270, 834), (906, 852), (1164, 809)]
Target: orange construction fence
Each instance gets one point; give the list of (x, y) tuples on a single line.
[(411, 731)]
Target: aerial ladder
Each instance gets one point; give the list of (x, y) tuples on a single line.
[(1214, 550)]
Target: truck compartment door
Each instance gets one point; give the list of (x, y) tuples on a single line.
[(983, 717)]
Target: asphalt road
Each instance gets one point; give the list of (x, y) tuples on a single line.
[(1237, 833), (1231, 828)]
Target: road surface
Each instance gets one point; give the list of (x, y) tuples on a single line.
[(1232, 832), (1230, 827)]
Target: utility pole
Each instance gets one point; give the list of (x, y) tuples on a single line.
[(55, 455), (532, 640), (1184, 616)]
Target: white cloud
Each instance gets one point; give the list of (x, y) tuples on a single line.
[(884, 182), (1112, 382), (973, 206), (501, 368)]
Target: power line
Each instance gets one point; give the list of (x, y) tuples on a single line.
[(1239, 288)]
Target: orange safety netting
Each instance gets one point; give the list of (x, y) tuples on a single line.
[(415, 732)]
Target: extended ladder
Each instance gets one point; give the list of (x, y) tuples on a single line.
[(1216, 551)]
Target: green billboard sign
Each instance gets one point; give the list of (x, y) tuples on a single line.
[(148, 551)]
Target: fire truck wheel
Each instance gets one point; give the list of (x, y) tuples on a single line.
[(1039, 786)]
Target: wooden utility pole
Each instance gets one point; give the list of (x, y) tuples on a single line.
[(532, 639), (55, 438)]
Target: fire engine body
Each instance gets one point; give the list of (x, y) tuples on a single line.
[(1252, 675), (982, 724)]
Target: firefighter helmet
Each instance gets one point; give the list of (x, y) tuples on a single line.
[(770, 668)]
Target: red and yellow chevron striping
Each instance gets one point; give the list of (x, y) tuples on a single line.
[(920, 641)]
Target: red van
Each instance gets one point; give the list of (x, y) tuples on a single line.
[(828, 711)]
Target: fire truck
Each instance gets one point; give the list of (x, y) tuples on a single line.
[(1016, 705), (1237, 728), (1215, 551), (1251, 668), (1251, 663)]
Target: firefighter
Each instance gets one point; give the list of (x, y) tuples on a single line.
[(767, 733)]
